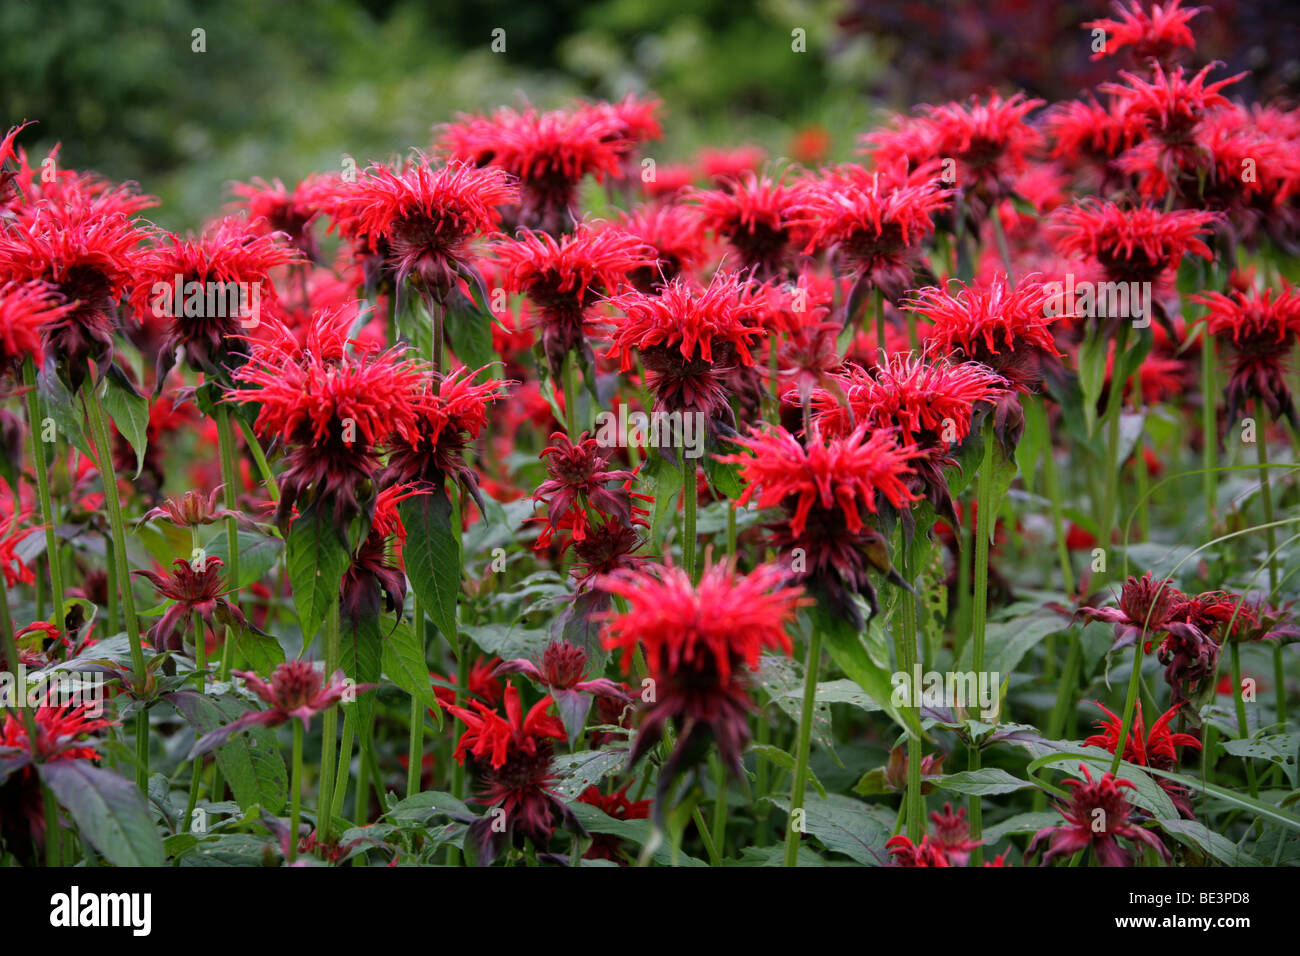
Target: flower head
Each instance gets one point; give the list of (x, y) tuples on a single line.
[(1156, 34), (759, 216), (565, 278), (195, 590), (1259, 329), (700, 642), (419, 222), (1097, 816)]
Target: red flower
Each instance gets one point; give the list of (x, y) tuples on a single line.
[(1260, 332), (192, 510), (759, 217), (618, 806), (1169, 103), (1007, 329), (26, 308), (952, 833), (1154, 34), (450, 412), (1142, 244), (565, 278), (578, 479), (208, 323), (333, 416), (825, 487), (1097, 816), (699, 643), (991, 141), (675, 235), (841, 474), (689, 340), (1084, 129), (1146, 749), (198, 591), (906, 853), (872, 223), (273, 208), (930, 404), (1145, 606), (512, 757), (483, 683), (722, 167), (59, 733), (550, 153), (419, 222), (89, 257)]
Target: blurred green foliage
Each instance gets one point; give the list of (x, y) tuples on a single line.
[(286, 88)]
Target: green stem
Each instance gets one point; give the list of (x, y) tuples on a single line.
[(811, 668), (1209, 426), (984, 525), (259, 458), (329, 739), (570, 385), (295, 791), (1114, 408), (1243, 728), (720, 806), (415, 743), (229, 477), (1266, 497), (905, 648), (343, 776), (104, 461), (1000, 237), (690, 492), (1064, 700), (41, 467), (1052, 487), (462, 699)]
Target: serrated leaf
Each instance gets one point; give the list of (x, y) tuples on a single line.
[(250, 761), (110, 813), (317, 558), (786, 762), (985, 782), (848, 826), (405, 665), (129, 411), (1212, 844), (432, 556)]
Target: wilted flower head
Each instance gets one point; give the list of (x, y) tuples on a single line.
[(578, 478), (1097, 816), (197, 590)]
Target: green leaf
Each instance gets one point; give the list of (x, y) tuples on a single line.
[(258, 554), (634, 831), (576, 772), (317, 558), (470, 332), (1216, 845), (110, 813), (360, 649), (667, 488), (849, 653), (1092, 375), (67, 414), (432, 555), (848, 826), (419, 807), (1279, 749), (405, 665), (250, 761), (986, 782), (1021, 823), (786, 762), (129, 411)]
